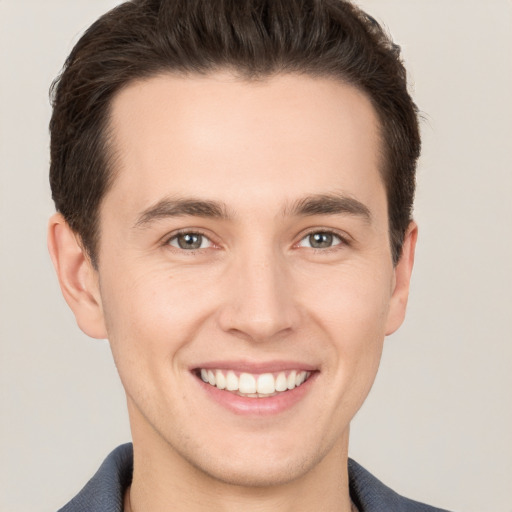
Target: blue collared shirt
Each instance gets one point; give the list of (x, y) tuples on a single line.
[(105, 490)]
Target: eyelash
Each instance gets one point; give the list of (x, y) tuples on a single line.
[(343, 240)]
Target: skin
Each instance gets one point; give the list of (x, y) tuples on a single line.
[(256, 291)]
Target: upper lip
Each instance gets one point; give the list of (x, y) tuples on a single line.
[(255, 367)]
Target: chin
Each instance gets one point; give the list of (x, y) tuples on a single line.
[(260, 462), (261, 473)]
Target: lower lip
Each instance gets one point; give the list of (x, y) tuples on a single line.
[(258, 406)]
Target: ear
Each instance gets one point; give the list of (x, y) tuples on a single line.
[(78, 278), (402, 280)]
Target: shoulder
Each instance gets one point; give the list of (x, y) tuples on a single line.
[(105, 490), (370, 495)]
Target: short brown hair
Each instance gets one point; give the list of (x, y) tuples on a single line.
[(256, 38)]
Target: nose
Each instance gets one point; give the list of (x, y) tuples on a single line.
[(260, 305)]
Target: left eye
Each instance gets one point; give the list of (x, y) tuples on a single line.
[(190, 241), (320, 240)]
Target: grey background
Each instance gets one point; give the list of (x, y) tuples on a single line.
[(437, 425)]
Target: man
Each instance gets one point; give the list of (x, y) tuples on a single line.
[(234, 185)]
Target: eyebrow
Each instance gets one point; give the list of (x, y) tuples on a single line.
[(168, 207), (319, 204), (329, 204)]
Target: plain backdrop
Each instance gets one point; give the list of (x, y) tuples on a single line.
[(437, 425)]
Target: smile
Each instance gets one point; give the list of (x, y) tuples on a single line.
[(254, 386)]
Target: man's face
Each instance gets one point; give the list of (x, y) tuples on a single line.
[(245, 242)]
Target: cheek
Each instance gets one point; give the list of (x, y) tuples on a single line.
[(154, 311), (353, 311), (143, 322), (354, 299)]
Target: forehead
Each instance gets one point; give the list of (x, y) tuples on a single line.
[(238, 140)]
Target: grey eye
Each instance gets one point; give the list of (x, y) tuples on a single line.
[(190, 241), (320, 240)]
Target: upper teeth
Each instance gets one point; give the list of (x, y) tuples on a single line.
[(256, 385)]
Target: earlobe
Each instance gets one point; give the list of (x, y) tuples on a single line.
[(77, 277), (402, 280)]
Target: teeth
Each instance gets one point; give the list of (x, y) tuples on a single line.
[(247, 383), (301, 377), (220, 380), (266, 384), (291, 380), (281, 382), (254, 386), (231, 381)]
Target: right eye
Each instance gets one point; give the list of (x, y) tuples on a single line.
[(321, 240), (190, 241)]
